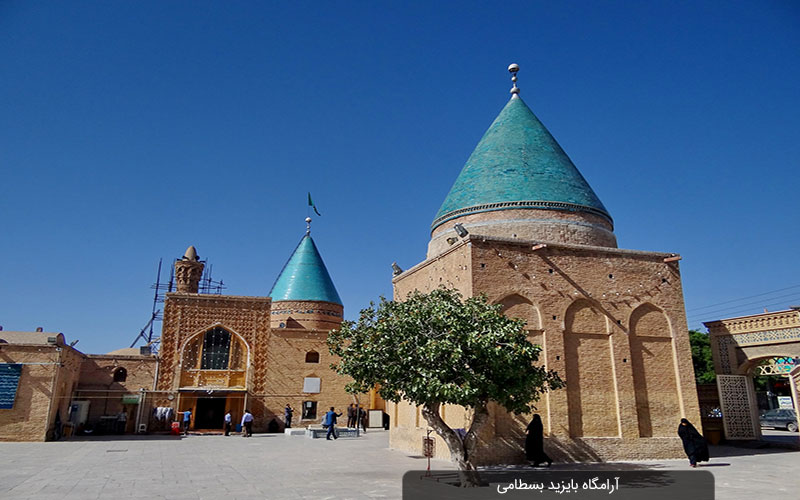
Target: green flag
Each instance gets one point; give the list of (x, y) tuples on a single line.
[(311, 204)]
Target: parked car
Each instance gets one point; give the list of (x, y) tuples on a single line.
[(780, 419)]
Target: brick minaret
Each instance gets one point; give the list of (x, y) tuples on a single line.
[(188, 271)]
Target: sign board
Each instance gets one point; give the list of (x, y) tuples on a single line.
[(428, 447), (130, 399), (9, 380), (785, 402), (311, 385)]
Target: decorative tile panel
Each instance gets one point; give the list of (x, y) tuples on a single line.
[(736, 406)]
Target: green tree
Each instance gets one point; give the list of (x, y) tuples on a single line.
[(701, 357), (437, 348)]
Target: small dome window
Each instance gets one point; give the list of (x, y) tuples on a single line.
[(120, 375), (312, 357)]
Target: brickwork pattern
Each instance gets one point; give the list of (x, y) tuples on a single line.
[(97, 385), (277, 357), (548, 226), (186, 315), (45, 387), (593, 332), (312, 315)]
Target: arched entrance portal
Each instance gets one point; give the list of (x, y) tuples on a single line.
[(740, 347), (213, 376)]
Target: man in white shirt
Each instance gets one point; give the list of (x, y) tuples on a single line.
[(247, 424), (228, 423)]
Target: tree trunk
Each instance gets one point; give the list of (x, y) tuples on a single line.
[(461, 450)]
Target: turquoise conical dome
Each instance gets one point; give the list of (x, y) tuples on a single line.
[(518, 164), (305, 277)]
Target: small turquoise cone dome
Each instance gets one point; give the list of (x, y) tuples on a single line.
[(518, 164), (305, 277)]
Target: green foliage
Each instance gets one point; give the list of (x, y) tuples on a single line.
[(438, 348), (701, 357)]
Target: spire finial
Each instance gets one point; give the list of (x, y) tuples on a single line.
[(513, 68), (308, 225)]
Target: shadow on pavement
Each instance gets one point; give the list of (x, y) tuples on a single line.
[(125, 437), (746, 448)]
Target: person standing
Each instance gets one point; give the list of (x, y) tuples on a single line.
[(122, 421), (228, 420), (287, 415), (351, 415), (247, 424), (694, 444), (330, 421), (534, 443), (362, 418), (187, 419)]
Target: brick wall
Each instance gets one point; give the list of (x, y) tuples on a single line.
[(311, 315), (610, 321), (44, 389), (549, 226), (277, 357), (97, 384)]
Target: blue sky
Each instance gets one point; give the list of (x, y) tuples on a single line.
[(130, 130)]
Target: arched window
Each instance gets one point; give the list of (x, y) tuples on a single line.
[(312, 357), (216, 349), (120, 375)]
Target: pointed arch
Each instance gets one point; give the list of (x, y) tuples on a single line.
[(591, 393), (215, 356), (654, 372), (517, 306)]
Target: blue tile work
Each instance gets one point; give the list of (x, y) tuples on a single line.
[(9, 379), (518, 164), (305, 277)]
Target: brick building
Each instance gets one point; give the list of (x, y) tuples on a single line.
[(522, 225), (38, 373), (224, 353), (218, 353)]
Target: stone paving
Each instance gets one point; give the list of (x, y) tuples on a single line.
[(274, 466)]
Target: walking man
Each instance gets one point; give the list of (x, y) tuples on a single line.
[(247, 424), (228, 420), (330, 421)]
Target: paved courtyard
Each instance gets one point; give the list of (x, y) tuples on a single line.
[(273, 466)]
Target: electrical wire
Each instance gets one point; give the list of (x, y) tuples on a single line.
[(738, 311), (743, 298)]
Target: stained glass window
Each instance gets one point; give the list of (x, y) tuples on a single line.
[(216, 350)]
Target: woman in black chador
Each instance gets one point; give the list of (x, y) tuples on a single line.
[(534, 443), (694, 444)]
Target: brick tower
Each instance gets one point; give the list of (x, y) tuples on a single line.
[(188, 271), (304, 296)]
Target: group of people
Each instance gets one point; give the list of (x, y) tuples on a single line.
[(247, 423), (356, 416), (694, 444)]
